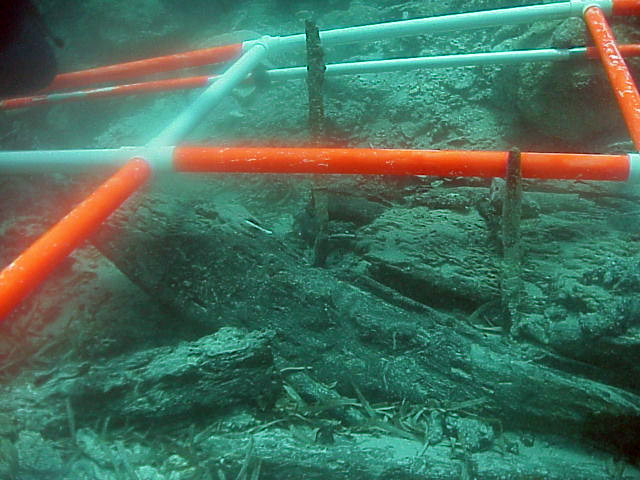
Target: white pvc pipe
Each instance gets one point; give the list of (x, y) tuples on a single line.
[(223, 85), (440, 24), (73, 161), (634, 168), (441, 61)]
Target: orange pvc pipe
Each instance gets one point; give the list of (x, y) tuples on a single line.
[(619, 76), (150, 87), (138, 68), (628, 50), (626, 7), (29, 270), (575, 166), (443, 163), (117, 90), (23, 102)]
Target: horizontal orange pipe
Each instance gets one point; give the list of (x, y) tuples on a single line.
[(118, 90), (619, 76), (24, 102), (138, 68), (627, 50), (152, 86), (442, 163), (29, 270), (631, 50), (626, 7)]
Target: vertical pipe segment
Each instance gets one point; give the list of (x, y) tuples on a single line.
[(27, 271), (223, 85), (315, 80), (511, 281), (620, 78)]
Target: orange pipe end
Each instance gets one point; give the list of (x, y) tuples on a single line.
[(626, 7), (575, 166), (138, 68), (627, 50), (620, 78), (115, 91), (22, 102), (30, 269), (150, 87), (443, 163)]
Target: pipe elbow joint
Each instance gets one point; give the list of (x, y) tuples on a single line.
[(578, 7), (268, 42), (160, 158)]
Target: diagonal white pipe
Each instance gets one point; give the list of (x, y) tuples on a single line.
[(223, 85)]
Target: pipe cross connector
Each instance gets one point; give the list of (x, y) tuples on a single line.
[(159, 157), (266, 41), (578, 7), (270, 43)]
